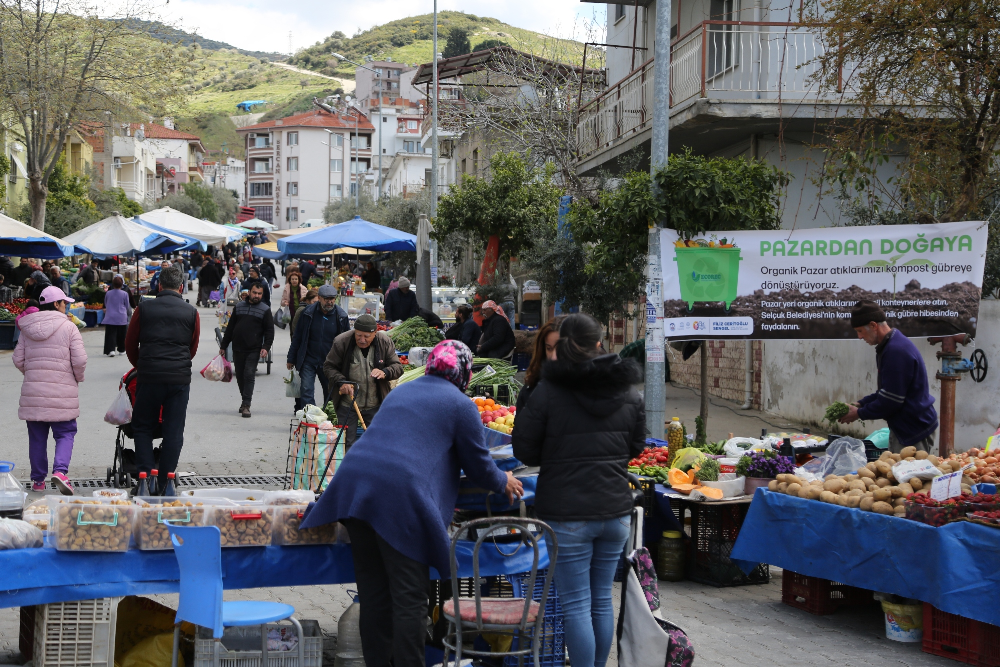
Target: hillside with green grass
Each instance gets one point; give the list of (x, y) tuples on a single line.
[(410, 40)]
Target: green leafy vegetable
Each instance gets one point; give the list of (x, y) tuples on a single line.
[(836, 410), (709, 471)]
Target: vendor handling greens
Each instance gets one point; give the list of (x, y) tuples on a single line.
[(903, 399)]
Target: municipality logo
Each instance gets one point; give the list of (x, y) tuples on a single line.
[(705, 277)]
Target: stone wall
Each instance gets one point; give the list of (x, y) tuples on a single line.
[(726, 369)]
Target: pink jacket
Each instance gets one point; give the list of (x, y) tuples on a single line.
[(50, 354), (286, 294)]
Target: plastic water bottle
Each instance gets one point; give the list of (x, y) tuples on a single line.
[(154, 478), (143, 490), (349, 637), (169, 491), (11, 494)]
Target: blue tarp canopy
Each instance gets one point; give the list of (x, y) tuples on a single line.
[(249, 104), (120, 236), (356, 233), (20, 240)]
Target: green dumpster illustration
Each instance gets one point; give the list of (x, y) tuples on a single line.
[(708, 274)]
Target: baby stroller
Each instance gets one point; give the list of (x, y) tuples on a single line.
[(123, 472)]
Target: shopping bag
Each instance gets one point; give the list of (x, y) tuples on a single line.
[(215, 295), (218, 370), (293, 385), (282, 317), (120, 411)]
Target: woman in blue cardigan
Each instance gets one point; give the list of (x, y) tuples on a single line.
[(396, 492)]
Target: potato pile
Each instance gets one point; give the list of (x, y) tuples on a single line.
[(151, 533), (872, 488), (243, 525), (288, 517), (93, 525)]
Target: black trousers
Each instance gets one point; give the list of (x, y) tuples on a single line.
[(346, 416), (149, 398), (245, 370), (392, 589), (114, 337)]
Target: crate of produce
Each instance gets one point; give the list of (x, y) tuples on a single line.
[(500, 393), (241, 646), (91, 524), (289, 509), (821, 596), (552, 650), (243, 524), (959, 638), (150, 530), (932, 512), (714, 529), (75, 634)]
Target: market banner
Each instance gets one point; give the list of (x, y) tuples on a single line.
[(804, 283)]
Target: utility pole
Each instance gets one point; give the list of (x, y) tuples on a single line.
[(655, 388), (424, 297)]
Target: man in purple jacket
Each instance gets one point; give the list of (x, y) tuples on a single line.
[(903, 398)]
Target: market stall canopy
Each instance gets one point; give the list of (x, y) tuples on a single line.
[(192, 242), (173, 220), (118, 235), (20, 240), (270, 250), (283, 233), (242, 230), (356, 233), (254, 223)]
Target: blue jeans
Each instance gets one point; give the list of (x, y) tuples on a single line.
[(310, 372), (585, 569)]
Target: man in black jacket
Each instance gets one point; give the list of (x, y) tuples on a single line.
[(251, 331), (162, 340), (465, 328), (401, 303), (208, 280), (318, 325)]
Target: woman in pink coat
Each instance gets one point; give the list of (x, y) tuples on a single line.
[(50, 354)]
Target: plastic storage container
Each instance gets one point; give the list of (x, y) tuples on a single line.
[(75, 634), (12, 495), (670, 559), (821, 596), (245, 523), (229, 494), (91, 524), (38, 515), (151, 532), (110, 494), (289, 509), (241, 646)]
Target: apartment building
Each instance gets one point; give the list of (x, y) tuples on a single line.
[(228, 173), (740, 84), (299, 164)]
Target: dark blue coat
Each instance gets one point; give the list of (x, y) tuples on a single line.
[(300, 341), (402, 475)]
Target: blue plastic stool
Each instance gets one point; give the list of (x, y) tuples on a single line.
[(199, 557)]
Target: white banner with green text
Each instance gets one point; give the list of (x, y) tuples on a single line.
[(804, 283)]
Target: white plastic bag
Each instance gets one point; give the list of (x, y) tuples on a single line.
[(737, 447), (282, 317), (120, 411), (904, 471), (218, 370), (293, 385), (843, 457), (314, 415), (16, 534)]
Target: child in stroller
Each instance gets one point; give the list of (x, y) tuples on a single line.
[(123, 473)]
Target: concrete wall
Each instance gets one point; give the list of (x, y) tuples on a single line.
[(726, 370), (801, 378)]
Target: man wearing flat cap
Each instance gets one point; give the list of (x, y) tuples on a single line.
[(319, 325), (903, 398), (359, 367)]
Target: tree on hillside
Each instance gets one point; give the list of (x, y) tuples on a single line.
[(923, 82), (64, 66), (458, 43)]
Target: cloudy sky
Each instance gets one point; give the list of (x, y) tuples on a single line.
[(263, 25)]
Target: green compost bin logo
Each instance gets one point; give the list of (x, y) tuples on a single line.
[(708, 275)]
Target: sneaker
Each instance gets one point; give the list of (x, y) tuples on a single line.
[(62, 483), (114, 353), (38, 486)]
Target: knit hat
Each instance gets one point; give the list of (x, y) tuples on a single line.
[(404, 283), (366, 323), (865, 312)]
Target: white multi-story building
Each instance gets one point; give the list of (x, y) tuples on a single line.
[(230, 174), (297, 165), (740, 84)]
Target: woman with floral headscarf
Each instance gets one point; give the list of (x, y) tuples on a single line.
[(426, 432)]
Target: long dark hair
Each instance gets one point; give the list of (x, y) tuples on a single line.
[(579, 336), (534, 372)]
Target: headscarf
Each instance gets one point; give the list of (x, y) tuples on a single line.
[(452, 360), (492, 305), (40, 278)]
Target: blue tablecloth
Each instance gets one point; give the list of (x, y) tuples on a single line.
[(955, 567), (39, 576)]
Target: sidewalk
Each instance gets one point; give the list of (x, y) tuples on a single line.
[(724, 417)]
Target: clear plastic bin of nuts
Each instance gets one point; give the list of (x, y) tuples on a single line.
[(91, 524), (151, 532), (243, 524), (37, 514), (289, 508)]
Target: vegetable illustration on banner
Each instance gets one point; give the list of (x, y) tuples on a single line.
[(803, 284)]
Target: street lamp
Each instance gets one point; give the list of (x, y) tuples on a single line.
[(381, 120)]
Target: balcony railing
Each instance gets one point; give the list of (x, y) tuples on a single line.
[(718, 59)]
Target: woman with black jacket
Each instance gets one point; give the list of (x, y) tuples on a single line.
[(581, 425)]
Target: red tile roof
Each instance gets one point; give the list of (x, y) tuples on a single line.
[(315, 118), (154, 131)]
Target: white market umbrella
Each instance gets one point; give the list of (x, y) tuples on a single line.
[(283, 233), (173, 220), (254, 223), (20, 240), (118, 235)]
